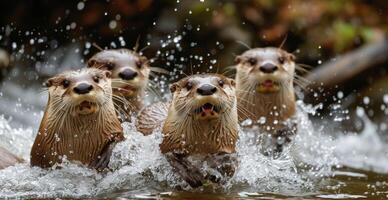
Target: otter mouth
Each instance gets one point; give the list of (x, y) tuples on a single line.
[(268, 86), (87, 107), (208, 111)]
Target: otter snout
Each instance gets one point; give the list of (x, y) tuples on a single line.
[(268, 68), (128, 74), (83, 88), (206, 90)]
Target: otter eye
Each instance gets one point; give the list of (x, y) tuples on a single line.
[(281, 60), (96, 79), (221, 83), (252, 61), (139, 64), (189, 85), (110, 66), (66, 83)]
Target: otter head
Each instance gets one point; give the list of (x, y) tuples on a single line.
[(265, 70), (81, 92), (203, 97), (129, 70)]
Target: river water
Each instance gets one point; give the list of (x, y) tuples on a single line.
[(318, 163)]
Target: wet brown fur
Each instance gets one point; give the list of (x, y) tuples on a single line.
[(276, 107), (184, 134), (120, 59), (82, 138)]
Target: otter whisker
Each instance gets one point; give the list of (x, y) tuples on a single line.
[(144, 48), (243, 44), (244, 110), (122, 82), (244, 91), (153, 91), (120, 110), (97, 46), (283, 42), (301, 69), (153, 75), (159, 70), (304, 65), (120, 100)]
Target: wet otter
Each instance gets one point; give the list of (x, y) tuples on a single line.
[(265, 91), (80, 122), (201, 121), (130, 74), (8, 159)]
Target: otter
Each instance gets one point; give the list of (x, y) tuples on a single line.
[(201, 120), (265, 91), (8, 159), (79, 123), (130, 76)]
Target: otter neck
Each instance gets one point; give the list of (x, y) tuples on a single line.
[(191, 136), (271, 109)]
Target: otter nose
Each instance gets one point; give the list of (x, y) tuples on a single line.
[(268, 68), (127, 74), (83, 88), (206, 89)]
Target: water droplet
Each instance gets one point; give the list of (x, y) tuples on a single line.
[(14, 45), (385, 98), (360, 111), (112, 24), (80, 5), (366, 100), (340, 94)]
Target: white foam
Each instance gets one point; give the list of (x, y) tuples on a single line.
[(139, 164), (366, 150)]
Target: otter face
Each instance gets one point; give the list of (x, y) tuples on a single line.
[(80, 92), (203, 97), (129, 70), (266, 70)]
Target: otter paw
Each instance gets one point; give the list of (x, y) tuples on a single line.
[(193, 178), (102, 161), (191, 174)]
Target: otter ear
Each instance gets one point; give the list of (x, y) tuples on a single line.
[(142, 61), (91, 63), (48, 83), (108, 74), (232, 82), (238, 59), (173, 87)]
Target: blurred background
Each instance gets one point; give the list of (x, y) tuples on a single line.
[(344, 43)]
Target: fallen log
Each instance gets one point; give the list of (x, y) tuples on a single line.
[(348, 66)]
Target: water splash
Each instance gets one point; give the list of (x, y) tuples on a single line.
[(365, 150), (139, 165)]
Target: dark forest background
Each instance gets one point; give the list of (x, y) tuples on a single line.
[(201, 34)]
